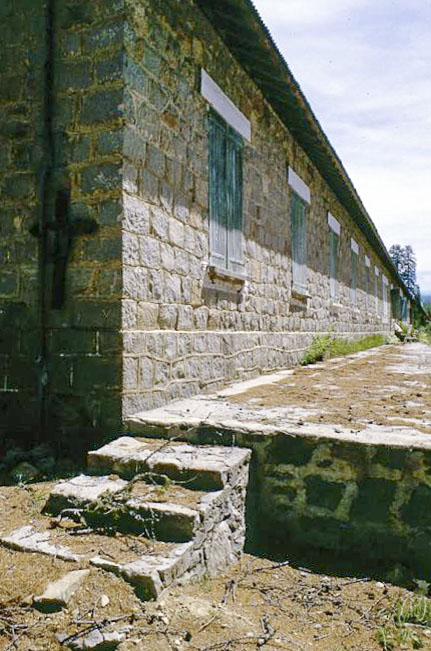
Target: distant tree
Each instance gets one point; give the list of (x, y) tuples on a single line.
[(404, 259), (397, 254), (409, 276)]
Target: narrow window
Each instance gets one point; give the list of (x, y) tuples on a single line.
[(334, 234), (376, 289), (225, 195), (384, 297), (354, 270), (367, 280), (298, 213)]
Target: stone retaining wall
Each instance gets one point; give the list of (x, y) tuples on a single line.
[(368, 500)]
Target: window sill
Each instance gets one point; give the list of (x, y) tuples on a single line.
[(299, 292), (226, 274)]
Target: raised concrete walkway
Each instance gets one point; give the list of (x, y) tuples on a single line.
[(380, 396)]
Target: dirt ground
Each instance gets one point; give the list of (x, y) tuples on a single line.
[(260, 603), (257, 604), (355, 392)]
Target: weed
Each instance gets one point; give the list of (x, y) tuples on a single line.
[(414, 609), (386, 638), (408, 613), (327, 346)]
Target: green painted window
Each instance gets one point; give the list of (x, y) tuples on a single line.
[(225, 195), (367, 283), (298, 225), (376, 292), (354, 276), (333, 263)]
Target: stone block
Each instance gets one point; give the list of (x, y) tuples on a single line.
[(58, 593), (176, 233), (374, 499), (8, 283), (102, 106), (75, 76), (149, 252), (417, 512), (110, 68), (185, 317), (159, 223), (147, 315), (103, 177), (168, 316), (27, 539), (130, 249), (110, 142), (97, 314), (146, 373), (289, 450), (324, 494)]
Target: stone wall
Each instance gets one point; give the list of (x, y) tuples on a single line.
[(81, 370), (143, 322), (183, 331), (21, 101), (84, 337), (349, 497), (346, 496)]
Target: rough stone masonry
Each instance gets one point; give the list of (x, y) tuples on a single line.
[(104, 100)]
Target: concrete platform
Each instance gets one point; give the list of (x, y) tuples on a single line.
[(244, 408)]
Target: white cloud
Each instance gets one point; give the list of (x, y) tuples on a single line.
[(291, 13), (364, 68)]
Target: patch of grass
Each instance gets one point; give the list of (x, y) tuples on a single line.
[(407, 614), (327, 346), (414, 610), (385, 637)]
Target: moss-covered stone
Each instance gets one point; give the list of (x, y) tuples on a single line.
[(373, 500), (290, 450), (325, 494), (417, 512)]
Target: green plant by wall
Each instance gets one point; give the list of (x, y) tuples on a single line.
[(325, 347)]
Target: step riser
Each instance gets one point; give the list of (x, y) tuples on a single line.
[(195, 480), (148, 522)]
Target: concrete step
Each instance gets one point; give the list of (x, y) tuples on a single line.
[(176, 513), (198, 467), (165, 512), (149, 565)]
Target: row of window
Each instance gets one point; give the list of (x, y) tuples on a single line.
[(227, 127)]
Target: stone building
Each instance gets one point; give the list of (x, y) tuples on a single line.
[(172, 216)]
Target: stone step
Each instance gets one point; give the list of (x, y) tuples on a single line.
[(149, 565), (165, 512), (197, 467), (186, 505)]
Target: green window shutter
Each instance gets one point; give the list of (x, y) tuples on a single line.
[(234, 203), (298, 240), (217, 192), (354, 285), (225, 195), (333, 263), (396, 303), (367, 283)]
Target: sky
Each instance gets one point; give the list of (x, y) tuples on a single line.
[(365, 68)]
